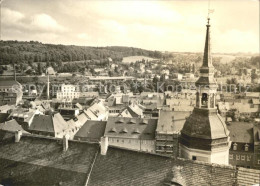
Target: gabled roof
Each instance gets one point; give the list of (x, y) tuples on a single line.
[(170, 121), (53, 123), (12, 126), (92, 130), (241, 132), (131, 127)]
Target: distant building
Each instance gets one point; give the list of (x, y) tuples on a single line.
[(242, 149), (131, 133), (68, 92), (10, 92), (91, 131), (50, 71), (49, 125), (168, 131)]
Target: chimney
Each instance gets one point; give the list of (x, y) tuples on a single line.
[(48, 87), (104, 145), (14, 73), (18, 135), (66, 142)]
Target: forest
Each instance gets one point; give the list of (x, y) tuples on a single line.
[(16, 52)]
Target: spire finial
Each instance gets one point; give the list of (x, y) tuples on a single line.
[(210, 11)]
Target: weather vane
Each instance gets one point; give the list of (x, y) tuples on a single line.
[(210, 11)]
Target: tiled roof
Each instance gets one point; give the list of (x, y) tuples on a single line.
[(205, 125), (241, 132), (135, 127), (92, 130), (41, 161), (53, 123), (170, 121), (9, 83), (12, 126)]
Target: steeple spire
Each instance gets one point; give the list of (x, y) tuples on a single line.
[(207, 60), (207, 69)]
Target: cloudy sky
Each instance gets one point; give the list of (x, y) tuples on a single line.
[(173, 25)]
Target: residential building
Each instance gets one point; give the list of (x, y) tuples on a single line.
[(241, 151), (131, 133), (91, 131), (68, 92), (168, 130)]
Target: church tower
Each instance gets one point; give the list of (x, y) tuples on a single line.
[(205, 136)]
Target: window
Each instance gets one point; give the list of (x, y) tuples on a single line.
[(194, 158), (231, 156), (248, 158), (246, 147), (237, 157), (234, 146), (243, 158), (258, 162)]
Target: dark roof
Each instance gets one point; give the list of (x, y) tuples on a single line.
[(205, 124), (48, 123), (124, 167), (42, 123), (3, 117), (135, 127), (9, 83), (93, 130), (241, 132), (41, 161)]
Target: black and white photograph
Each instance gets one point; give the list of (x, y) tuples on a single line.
[(129, 93)]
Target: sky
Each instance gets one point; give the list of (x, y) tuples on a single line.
[(165, 25)]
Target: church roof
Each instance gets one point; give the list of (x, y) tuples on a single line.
[(205, 124)]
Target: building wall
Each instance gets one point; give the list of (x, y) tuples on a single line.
[(134, 144), (219, 157), (241, 159), (167, 144)]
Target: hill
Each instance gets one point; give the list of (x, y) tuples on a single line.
[(33, 51)]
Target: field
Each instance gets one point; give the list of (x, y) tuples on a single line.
[(133, 59)]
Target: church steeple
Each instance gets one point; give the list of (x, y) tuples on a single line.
[(207, 70), (204, 135)]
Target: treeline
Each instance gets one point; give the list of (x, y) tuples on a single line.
[(33, 51)]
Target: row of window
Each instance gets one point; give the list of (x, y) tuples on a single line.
[(240, 157), (130, 141), (246, 146)]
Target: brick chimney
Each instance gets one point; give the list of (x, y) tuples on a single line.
[(66, 142), (18, 135), (104, 145)]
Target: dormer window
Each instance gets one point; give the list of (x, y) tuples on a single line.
[(246, 147), (234, 146)]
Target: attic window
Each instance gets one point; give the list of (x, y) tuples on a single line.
[(132, 121), (136, 131), (113, 129), (234, 146), (145, 121), (124, 130), (246, 147), (120, 121)]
